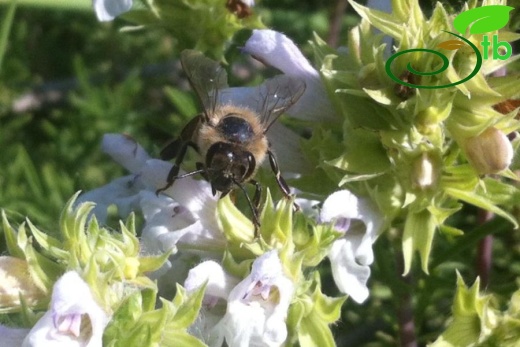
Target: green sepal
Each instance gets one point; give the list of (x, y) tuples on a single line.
[(185, 307), (236, 227), (450, 231), (385, 22), (180, 339), (419, 229), (309, 317), (506, 331), (73, 220), (11, 237), (49, 244), (313, 242), (130, 327), (276, 222), (205, 25), (466, 327), (152, 263), (138, 323), (234, 268), (44, 271)]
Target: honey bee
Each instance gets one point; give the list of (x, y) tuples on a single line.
[(231, 138)]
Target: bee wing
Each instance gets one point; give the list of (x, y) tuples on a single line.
[(206, 77), (278, 95)]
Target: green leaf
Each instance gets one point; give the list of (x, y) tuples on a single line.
[(481, 201), (6, 29), (363, 154), (484, 19)]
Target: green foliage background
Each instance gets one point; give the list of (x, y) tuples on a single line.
[(66, 79)]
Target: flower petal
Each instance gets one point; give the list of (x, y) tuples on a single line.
[(350, 276), (344, 204), (71, 301), (258, 305), (277, 50), (351, 255), (125, 151), (219, 283), (106, 10), (194, 195), (122, 192)]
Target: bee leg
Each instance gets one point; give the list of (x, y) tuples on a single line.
[(256, 205), (279, 179), (171, 150), (258, 194), (254, 209), (172, 175), (200, 167), (177, 149)]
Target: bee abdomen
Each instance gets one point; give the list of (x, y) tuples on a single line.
[(235, 129)]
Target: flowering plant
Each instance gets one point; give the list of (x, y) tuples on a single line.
[(378, 172)]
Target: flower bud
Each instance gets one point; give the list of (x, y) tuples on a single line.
[(424, 171), (490, 152), (16, 281)]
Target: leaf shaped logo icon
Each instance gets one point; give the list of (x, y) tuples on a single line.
[(451, 45), (483, 19)]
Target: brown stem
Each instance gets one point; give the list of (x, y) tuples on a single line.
[(484, 251), (405, 314), (335, 22)]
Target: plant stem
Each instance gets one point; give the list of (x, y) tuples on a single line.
[(336, 18), (405, 314), (484, 251)]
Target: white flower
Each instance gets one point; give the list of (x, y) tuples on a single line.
[(351, 255), (74, 317), (125, 151), (124, 191), (183, 216), (277, 50), (106, 10), (187, 217), (185, 212), (256, 306)]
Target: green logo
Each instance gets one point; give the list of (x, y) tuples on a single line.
[(482, 20)]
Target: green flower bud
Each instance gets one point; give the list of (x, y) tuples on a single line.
[(489, 152), (425, 171)]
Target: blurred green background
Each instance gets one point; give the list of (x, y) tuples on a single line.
[(67, 79)]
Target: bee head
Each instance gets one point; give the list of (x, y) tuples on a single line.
[(228, 165)]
